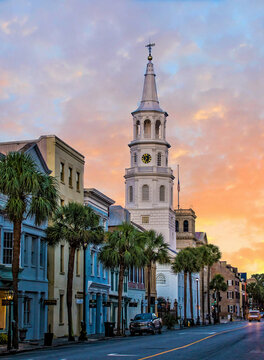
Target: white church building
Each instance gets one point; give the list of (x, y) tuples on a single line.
[(149, 179)]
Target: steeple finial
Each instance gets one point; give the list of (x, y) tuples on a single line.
[(149, 46)]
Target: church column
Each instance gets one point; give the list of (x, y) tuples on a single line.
[(141, 129)]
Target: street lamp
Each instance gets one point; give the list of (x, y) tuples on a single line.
[(198, 317), (83, 333), (10, 296), (180, 307)]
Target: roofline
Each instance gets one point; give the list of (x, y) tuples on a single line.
[(99, 194), (37, 140)]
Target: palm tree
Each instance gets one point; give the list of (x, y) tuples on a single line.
[(78, 225), (30, 193), (194, 267), (183, 262), (155, 250), (123, 248), (203, 255), (214, 256), (218, 284)]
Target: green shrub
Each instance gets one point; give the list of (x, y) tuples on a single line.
[(3, 339), (169, 321)]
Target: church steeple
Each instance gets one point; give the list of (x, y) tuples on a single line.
[(149, 101)]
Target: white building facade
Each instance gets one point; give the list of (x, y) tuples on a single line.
[(149, 179)]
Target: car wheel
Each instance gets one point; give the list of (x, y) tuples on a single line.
[(132, 333), (140, 333), (258, 320), (159, 331), (249, 320), (153, 332)]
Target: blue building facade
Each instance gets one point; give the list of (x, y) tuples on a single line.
[(33, 283), (97, 277)]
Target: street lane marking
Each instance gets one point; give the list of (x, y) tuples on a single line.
[(195, 342), (120, 355)]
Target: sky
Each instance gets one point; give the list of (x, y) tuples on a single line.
[(75, 68)]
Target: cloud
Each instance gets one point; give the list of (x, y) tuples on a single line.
[(76, 69)]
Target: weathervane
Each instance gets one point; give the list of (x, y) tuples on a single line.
[(149, 46)]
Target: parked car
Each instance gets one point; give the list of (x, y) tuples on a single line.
[(147, 322), (262, 314), (254, 315)]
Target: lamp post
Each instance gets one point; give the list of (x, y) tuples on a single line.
[(198, 317), (180, 307), (10, 296), (83, 333)]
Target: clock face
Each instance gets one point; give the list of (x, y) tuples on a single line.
[(146, 158)]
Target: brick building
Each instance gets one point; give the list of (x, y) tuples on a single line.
[(230, 299)]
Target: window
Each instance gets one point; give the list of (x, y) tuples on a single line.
[(230, 295), (130, 193), (145, 219), (27, 303), (92, 263), (104, 272), (42, 253), (177, 226), (26, 240), (138, 129), (77, 181), (147, 129), (78, 262), (125, 283), (136, 275), (116, 281), (62, 202), (229, 282), (70, 176), (98, 267), (135, 157), (185, 226), (161, 279), (145, 192), (142, 276), (159, 159), (61, 309), (162, 193), (131, 274), (62, 171), (8, 248), (62, 259), (112, 280), (33, 251), (158, 129)]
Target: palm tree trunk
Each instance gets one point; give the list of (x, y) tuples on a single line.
[(120, 291), (185, 297), (191, 294), (208, 294), (203, 317), (69, 292), (149, 286), (217, 306), (15, 270)]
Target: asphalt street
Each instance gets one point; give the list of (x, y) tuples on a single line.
[(239, 340)]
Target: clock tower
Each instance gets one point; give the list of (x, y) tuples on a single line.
[(149, 179)]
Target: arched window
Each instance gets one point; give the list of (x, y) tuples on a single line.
[(138, 129), (145, 192), (177, 226), (147, 129), (158, 129), (159, 159), (135, 157), (162, 193), (130, 193), (160, 279), (185, 226)]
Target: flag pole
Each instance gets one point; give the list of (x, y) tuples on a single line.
[(178, 186)]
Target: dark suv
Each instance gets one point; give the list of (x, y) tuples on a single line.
[(148, 322)]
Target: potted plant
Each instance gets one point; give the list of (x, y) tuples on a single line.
[(22, 333)]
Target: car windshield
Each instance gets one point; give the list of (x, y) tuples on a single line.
[(254, 312), (143, 317)]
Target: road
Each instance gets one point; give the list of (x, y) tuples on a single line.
[(239, 340)]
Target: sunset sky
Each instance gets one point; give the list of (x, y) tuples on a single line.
[(75, 68)]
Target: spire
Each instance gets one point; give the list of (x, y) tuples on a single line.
[(149, 99)]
